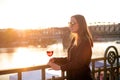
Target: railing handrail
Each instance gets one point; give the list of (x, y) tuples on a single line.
[(9, 71), (98, 59), (20, 70)]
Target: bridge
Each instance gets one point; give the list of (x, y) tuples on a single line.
[(105, 32)]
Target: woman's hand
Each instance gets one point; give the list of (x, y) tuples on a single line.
[(54, 66)]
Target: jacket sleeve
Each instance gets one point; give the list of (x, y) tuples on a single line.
[(80, 58), (61, 60)]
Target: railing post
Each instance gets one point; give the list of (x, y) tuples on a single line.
[(53, 78), (63, 74), (105, 69), (43, 73), (99, 74), (19, 75), (93, 69)]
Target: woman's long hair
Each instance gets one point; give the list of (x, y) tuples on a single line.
[(83, 31)]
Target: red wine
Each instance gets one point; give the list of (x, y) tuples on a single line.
[(49, 53)]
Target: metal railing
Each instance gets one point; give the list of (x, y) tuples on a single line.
[(95, 70), (108, 66)]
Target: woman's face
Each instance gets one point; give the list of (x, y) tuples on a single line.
[(73, 25)]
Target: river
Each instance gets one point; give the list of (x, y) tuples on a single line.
[(32, 56)]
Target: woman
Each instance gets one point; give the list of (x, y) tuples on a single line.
[(79, 53)]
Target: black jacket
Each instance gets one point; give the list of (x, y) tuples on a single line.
[(77, 62)]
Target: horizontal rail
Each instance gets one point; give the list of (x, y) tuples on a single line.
[(9, 71), (20, 70), (98, 59)]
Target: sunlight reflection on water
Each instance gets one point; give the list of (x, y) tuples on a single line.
[(29, 56)]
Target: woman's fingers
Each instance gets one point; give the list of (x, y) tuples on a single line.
[(54, 66)]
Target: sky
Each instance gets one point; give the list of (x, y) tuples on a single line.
[(24, 14)]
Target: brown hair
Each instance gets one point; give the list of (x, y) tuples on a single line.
[(84, 32)]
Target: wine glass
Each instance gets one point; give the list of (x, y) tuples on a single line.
[(49, 53)]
